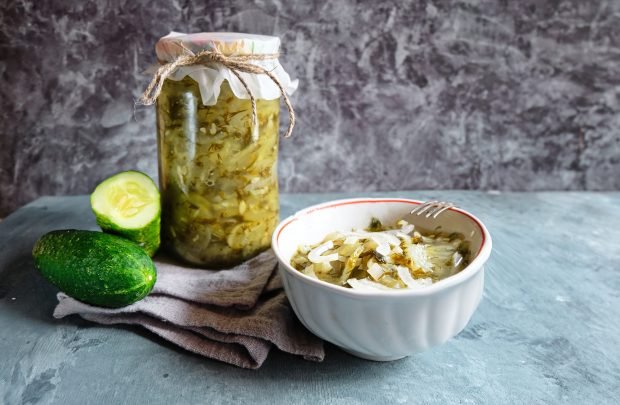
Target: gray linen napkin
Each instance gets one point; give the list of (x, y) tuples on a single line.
[(233, 315)]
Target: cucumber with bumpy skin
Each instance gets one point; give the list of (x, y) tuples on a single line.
[(95, 267), (128, 204)]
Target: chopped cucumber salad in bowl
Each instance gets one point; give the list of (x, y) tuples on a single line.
[(384, 257), (368, 276)]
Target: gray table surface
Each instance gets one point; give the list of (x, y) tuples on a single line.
[(546, 331)]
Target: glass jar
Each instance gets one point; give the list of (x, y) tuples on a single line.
[(218, 172), (219, 186)]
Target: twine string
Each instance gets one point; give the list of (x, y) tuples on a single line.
[(236, 63)]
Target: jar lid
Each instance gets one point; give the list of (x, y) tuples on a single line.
[(210, 77), (175, 44)]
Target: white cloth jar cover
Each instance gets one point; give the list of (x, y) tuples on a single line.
[(210, 78)]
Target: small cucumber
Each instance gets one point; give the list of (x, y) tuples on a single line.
[(128, 204), (95, 267)]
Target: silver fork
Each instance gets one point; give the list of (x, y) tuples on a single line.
[(432, 208)]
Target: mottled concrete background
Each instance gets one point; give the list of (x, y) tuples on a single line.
[(509, 95)]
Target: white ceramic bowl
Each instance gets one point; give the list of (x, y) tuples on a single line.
[(381, 325)]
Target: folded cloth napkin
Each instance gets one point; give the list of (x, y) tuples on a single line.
[(234, 315)]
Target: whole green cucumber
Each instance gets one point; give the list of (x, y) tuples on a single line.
[(94, 267)]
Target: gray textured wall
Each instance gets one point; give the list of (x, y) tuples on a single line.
[(496, 94)]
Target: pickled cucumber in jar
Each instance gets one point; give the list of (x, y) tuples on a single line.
[(219, 186)]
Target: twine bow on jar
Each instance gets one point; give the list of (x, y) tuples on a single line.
[(236, 64)]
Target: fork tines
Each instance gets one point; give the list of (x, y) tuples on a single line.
[(432, 208)]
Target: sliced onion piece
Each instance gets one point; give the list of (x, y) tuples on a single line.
[(405, 276), (386, 237), (365, 284), (417, 254), (350, 240), (383, 249), (309, 271), (375, 270), (315, 255), (379, 237), (457, 258), (407, 229), (399, 234)]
